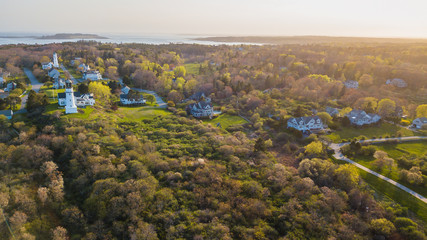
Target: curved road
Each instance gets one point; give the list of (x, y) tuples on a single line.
[(35, 85), (338, 155)]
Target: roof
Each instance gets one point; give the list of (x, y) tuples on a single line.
[(200, 105), (305, 119), (134, 96), (76, 94), (7, 113), (422, 119)]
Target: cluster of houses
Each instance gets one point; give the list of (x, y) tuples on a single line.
[(87, 73), (351, 84), (202, 108), (314, 123), (71, 100), (397, 82)]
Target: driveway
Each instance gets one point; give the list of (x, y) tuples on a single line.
[(159, 100), (338, 155), (75, 81), (35, 85)]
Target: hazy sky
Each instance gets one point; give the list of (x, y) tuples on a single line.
[(380, 18)]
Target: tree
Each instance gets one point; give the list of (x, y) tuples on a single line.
[(382, 226), (59, 233), (4, 122), (314, 148), (175, 96), (102, 92), (386, 107), (150, 98), (421, 111), (260, 145), (326, 118), (180, 71), (366, 80), (36, 100), (83, 88)]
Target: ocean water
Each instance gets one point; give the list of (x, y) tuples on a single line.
[(112, 38)]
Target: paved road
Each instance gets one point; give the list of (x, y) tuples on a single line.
[(35, 85), (159, 100), (75, 81), (338, 155)]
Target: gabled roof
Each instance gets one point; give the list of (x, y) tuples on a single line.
[(76, 94), (137, 97), (305, 120), (202, 105), (422, 119)]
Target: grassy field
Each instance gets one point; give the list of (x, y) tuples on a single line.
[(395, 151), (385, 129), (140, 113), (226, 120), (192, 68), (385, 189), (396, 194)]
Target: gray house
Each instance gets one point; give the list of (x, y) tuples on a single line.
[(360, 118), (304, 124), (332, 111), (200, 109), (7, 113), (419, 122)]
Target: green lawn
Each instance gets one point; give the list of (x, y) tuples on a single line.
[(74, 72), (52, 93), (140, 113), (385, 129), (392, 192), (395, 151), (396, 194), (192, 68), (226, 120)]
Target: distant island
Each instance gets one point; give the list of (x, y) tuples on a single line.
[(72, 36), (307, 39)]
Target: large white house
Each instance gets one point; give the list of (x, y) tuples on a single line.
[(92, 75), (47, 65), (201, 109), (125, 90), (132, 99), (419, 122), (71, 100), (304, 124), (360, 118)]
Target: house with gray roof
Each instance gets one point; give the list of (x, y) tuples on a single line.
[(132, 99), (419, 122), (332, 111), (305, 124), (7, 113), (397, 82), (201, 109), (198, 97), (53, 73), (351, 84), (360, 117)]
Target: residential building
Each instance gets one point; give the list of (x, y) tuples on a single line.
[(7, 113), (53, 73), (305, 124), (1, 81), (10, 87), (201, 109), (125, 90), (71, 100), (47, 65), (77, 59), (83, 68), (351, 84), (132, 99), (59, 83), (332, 111), (419, 122), (397, 82), (199, 96), (360, 118), (92, 75)]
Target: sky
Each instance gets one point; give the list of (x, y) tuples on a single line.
[(369, 18)]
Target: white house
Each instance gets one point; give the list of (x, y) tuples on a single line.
[(92, 75), (83, 68), (47, 65), (419, 122), (132, 99), (304, 124), (351, 84), (397, 82), (360, 118), (53, 73), (59, 83), (7, 113), (200, 109), (71, 100)]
